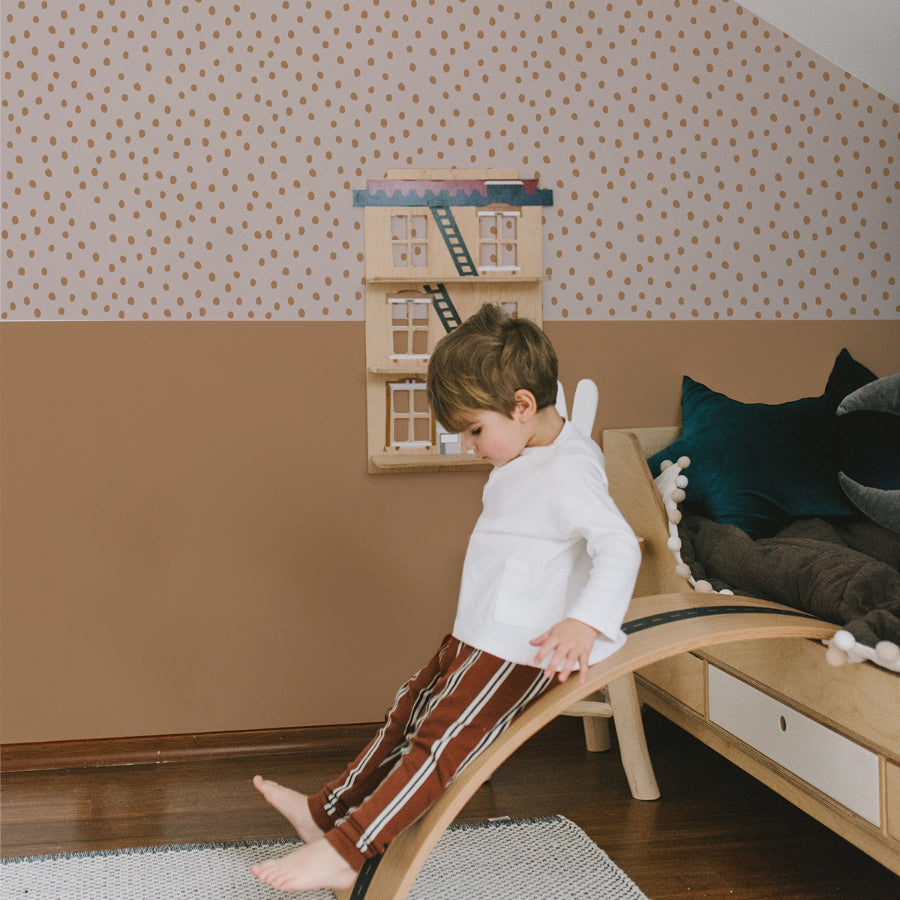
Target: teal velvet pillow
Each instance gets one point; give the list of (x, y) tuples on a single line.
[(759, 465)]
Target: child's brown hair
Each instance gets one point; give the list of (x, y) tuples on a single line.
[(483, 362)]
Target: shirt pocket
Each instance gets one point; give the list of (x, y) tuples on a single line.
[(531, 595)]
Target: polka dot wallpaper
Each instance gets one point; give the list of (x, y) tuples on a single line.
[(195, 159)]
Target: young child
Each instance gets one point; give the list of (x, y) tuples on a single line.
[(547, 578)]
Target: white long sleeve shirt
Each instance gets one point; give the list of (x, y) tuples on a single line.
[(550, 544)]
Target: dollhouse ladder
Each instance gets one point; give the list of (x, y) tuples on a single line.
[(443, 306), (453, 239)]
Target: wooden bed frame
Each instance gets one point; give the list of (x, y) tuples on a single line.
[(747, 700), (689, 649)]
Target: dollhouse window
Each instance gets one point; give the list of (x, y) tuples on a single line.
[(409, 419), (498, 246), (409, 327), (510, 307), (409, 242)]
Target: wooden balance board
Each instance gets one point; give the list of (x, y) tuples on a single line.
[(658, 627)]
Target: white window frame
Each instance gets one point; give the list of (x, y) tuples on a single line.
[(499, 215), (410, 328), (411, 416)]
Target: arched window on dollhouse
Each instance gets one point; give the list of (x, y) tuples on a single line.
[(409, 327), (410, 426), (498, 242)]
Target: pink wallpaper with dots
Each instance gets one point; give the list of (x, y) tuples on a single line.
[(179, 159)]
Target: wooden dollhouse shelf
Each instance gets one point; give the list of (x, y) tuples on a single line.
[(439, 243), (457, 279), (425, 462), (399, 370)]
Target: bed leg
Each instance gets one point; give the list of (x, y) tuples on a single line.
[(632, 744), (597, 736)]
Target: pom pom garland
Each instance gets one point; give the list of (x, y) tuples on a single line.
[(671, 483), (843, 648), (845, 641)]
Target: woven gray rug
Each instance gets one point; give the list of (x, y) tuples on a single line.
[(529, 859)]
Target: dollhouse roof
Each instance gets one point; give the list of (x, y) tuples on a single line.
[(461, 192)]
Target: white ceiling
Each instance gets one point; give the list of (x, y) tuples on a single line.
[(860, 36)]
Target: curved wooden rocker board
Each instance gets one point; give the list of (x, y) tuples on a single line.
[(659, 626)]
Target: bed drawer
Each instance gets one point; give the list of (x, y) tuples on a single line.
[(825, 759)]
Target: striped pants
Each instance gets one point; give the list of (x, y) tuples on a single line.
[(442, 718)]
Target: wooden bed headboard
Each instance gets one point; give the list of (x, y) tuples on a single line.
[(650, 440), (633, 491)]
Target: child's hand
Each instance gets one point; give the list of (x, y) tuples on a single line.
[(568, 643)]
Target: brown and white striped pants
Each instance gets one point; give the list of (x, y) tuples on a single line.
[(442, 718)]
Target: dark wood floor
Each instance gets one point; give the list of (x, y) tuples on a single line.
[(715, 833)]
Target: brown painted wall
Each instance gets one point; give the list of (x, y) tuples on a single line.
[(190, 541)]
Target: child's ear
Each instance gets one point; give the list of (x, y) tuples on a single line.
[(525, 405)]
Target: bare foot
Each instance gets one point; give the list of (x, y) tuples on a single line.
[(292, 805), (315, 865)]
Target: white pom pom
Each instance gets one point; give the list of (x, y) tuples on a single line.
[(665, 465), (704, 587), (674, 515), (681, 481), (727, 591), (674, 543), (684, 461), (678, 495), (834, 656), (887, 652), (845, 641), (683, 569)]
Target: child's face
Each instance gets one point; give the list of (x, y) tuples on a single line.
[(494, 437)]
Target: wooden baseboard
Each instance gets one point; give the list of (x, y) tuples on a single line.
[(151, 749)]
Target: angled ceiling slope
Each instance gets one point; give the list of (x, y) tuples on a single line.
[(860, 36)]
